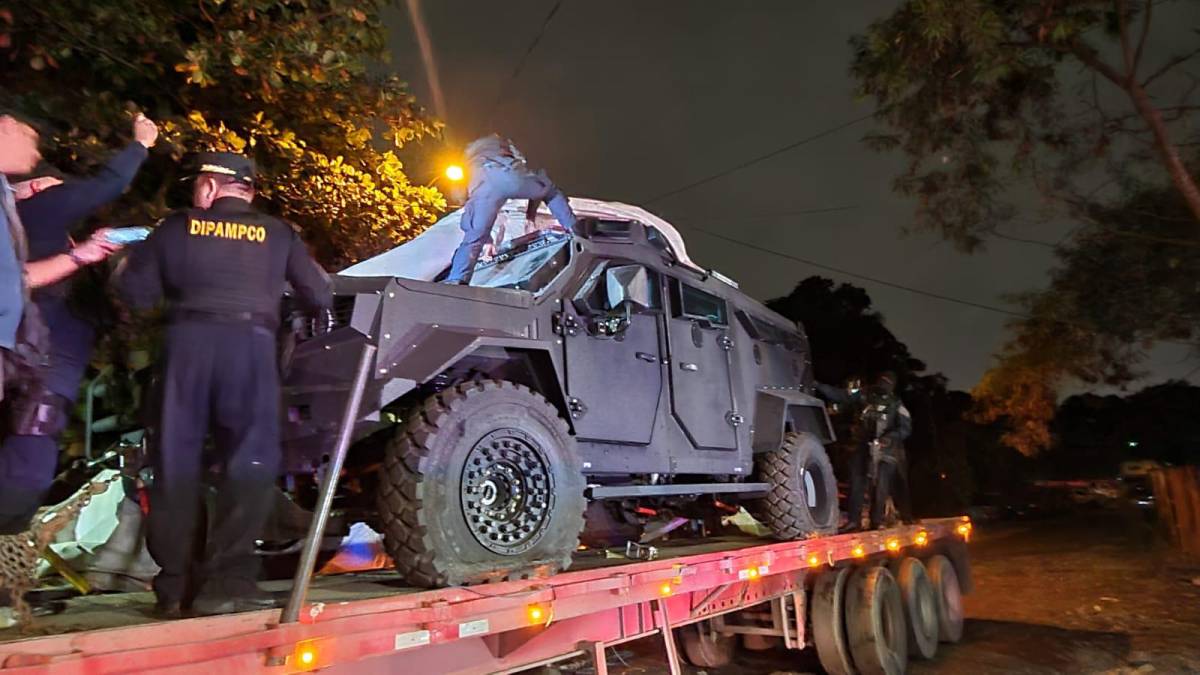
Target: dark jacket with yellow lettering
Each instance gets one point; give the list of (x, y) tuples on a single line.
[(226, 261)]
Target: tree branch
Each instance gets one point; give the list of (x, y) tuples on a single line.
[(1137, 55), (1090, 58), (1126, 50), (1169, 65)]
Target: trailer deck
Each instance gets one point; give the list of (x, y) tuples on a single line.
[(369, 622)]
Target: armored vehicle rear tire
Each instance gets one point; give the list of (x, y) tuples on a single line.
[(483, 482), (803, 496)]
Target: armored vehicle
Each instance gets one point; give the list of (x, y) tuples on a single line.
[(601, 366)]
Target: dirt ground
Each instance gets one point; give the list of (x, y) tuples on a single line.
[(1091, 593)]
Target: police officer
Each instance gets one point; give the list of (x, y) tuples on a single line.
[(48, 208), (882, 424), (499, 173), (221, 267)]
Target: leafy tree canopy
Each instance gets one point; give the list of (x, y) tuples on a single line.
[(987, 98), (298, 84)]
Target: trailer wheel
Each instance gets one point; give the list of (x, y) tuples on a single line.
[(920, 606), (705, 648), (803, 496), (483, 482), (828, 622), (949, 598), (875, 622)]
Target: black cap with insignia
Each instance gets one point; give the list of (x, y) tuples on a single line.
[(230, 164)]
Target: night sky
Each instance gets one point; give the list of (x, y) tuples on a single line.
[(627, 100)]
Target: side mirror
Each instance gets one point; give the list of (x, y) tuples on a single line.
[(629, 287)]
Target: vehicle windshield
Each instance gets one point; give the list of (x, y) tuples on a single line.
[(529, 264)]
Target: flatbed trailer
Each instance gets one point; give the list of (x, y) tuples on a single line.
[(704, 593)]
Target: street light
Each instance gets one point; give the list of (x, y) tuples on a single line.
[(455, 173)]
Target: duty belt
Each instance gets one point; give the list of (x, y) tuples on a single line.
[(254, 318)]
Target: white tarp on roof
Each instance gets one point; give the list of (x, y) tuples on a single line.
[(427, 255)]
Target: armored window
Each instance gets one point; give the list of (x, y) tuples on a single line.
[(693, 303), (611, 280)]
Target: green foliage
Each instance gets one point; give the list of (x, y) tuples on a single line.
[(986, 98), (295, 83)]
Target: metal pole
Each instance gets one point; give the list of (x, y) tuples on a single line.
[(316, 529)]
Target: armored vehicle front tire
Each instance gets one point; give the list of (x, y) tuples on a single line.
[(482, 482), (802, 501)]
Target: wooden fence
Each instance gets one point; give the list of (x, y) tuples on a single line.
[(1177, 494)]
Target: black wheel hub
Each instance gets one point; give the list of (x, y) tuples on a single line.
[(506, 492)]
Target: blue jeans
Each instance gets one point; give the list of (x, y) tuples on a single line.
[(479, 214)]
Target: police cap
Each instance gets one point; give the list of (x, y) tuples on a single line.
[(238, 167)]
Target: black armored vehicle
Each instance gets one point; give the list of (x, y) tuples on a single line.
[(601, 367)]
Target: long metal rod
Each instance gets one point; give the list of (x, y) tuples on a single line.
[(316, 529)]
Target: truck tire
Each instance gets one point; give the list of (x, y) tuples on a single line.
[(949, 598), (802, 500), (828, 622), (483, 482), (875, 622), (705, 648), (920, 606)]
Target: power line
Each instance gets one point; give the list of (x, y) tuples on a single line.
[(740, 217), (524, 59), (755, 160), (902, 287), (856, 275)]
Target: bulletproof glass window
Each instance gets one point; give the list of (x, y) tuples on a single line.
[(769, 333), (528, 267), (693, 303), (613, 286)]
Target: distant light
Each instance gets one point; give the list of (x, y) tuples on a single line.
[(455, 172), (1133, 444), (943, 476)]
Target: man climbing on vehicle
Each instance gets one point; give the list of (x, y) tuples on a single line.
[(498, 173), (877, 448)]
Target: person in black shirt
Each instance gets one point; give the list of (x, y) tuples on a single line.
[(881, 426), (48, 209), (221, 267)]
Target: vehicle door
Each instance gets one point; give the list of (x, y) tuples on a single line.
[(700, 367), (612, 329)]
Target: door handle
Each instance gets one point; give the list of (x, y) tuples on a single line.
[(647, 357), (690, 367)]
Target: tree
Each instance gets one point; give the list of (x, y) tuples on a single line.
[(297, 84), (984, 98)]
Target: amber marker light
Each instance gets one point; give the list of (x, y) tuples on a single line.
[(858, 551), (893, 544), (922, 538)]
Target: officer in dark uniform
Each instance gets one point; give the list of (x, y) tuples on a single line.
[(499, 173), (222, 267), (29, 453), (881, 426)]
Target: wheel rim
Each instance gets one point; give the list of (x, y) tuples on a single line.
[(507, 492), (812, 480)]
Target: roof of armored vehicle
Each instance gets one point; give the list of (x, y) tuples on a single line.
[(426, 256)]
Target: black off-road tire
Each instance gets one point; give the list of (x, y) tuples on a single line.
[(802, 501), (430, 512)]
